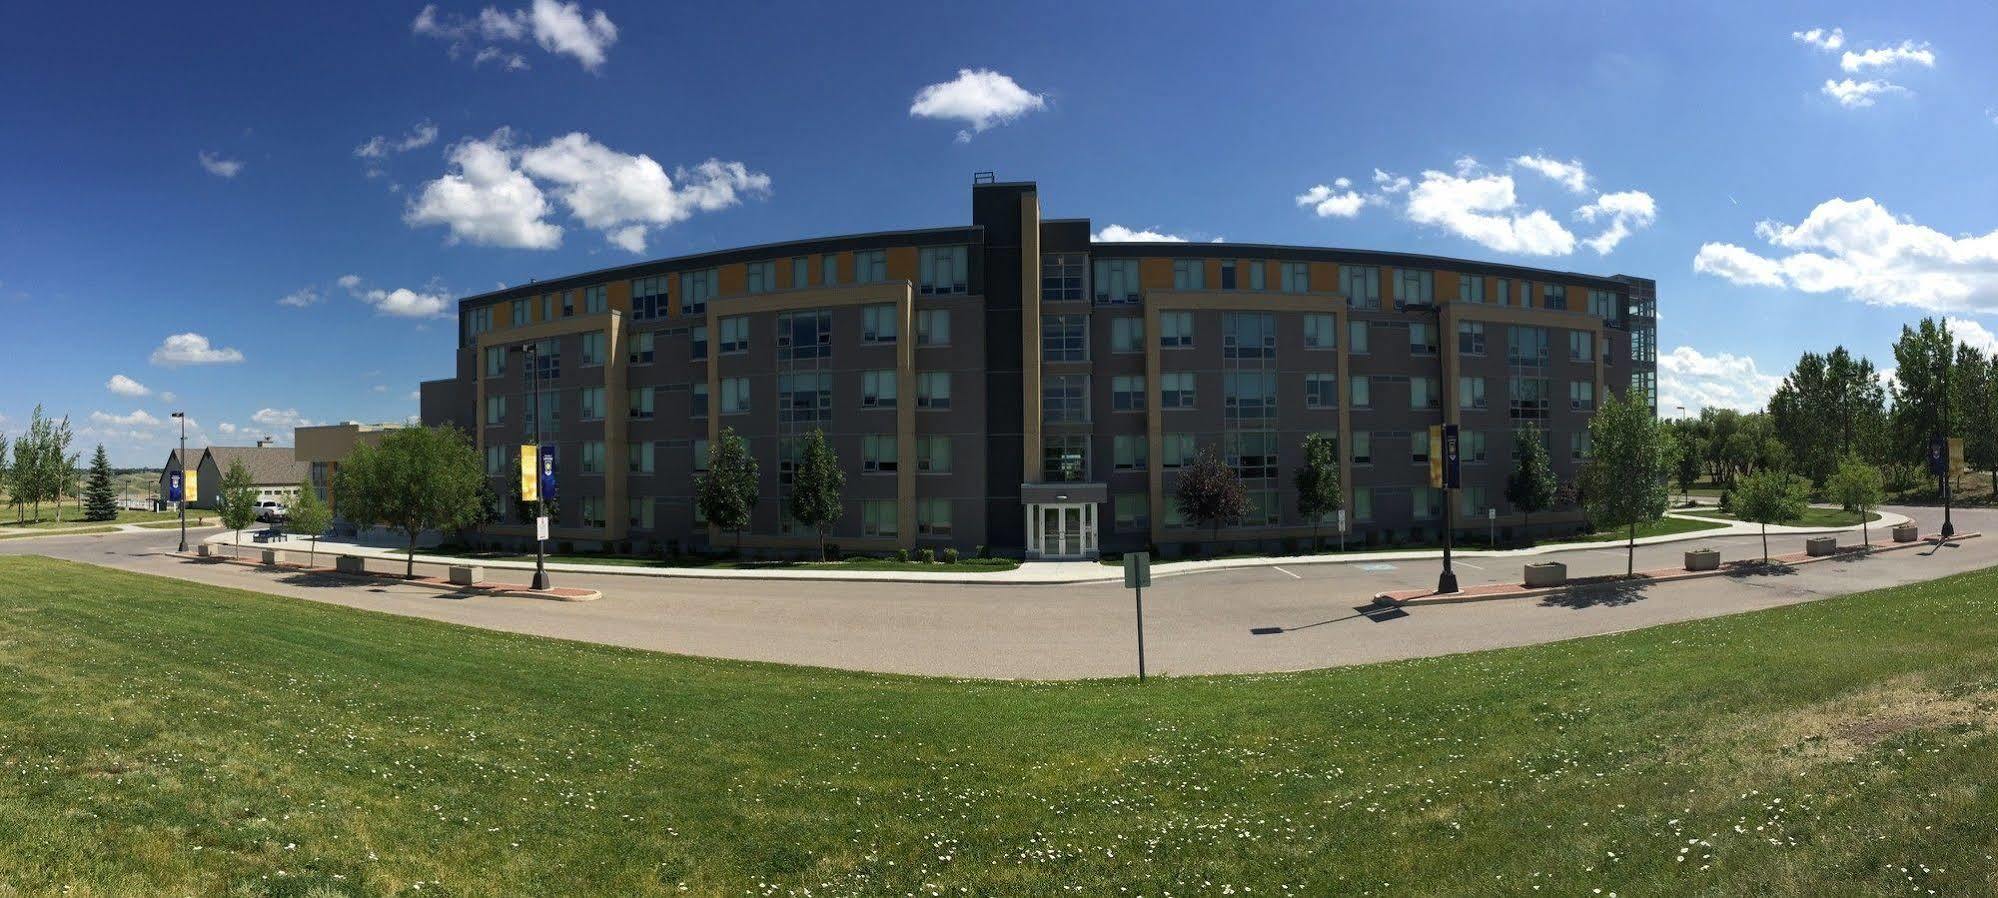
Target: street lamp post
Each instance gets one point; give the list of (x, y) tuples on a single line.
[(540, 502), (183, 479), (1446, 582), (1948, 529)]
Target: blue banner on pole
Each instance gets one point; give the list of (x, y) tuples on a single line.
[(1938, 457), (174, 490), (1450, 457), (548, 473)]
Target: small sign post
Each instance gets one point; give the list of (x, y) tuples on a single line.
[(1342, 529), (1491, 517), (541, 528), (1137, 576)]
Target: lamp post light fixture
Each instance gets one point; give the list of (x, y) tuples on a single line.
[(183, 479), (531, 348)]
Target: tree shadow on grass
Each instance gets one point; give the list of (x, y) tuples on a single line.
[(1611, 594)]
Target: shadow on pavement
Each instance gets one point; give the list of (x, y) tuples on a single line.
[(1755, 568), (1378, 613), (328, 579), (1607, 595)]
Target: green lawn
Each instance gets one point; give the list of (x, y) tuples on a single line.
[(72, 517), (964, 565), (169, 738), (1813, 517), (1660, 527), (79, 531)]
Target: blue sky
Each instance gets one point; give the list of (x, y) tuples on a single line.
[(175, 171)]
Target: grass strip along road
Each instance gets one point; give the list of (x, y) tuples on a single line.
[(165, 737)]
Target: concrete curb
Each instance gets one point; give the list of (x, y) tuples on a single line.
[(559, 594), (1665, 575)]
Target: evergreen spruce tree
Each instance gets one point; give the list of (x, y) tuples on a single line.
[(100, 500)]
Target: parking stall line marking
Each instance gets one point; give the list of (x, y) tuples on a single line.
[(1292, 576)]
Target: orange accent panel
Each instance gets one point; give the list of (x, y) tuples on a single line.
[(618, 294), (1446, 284), (734, 280), (902, 263), (1155, 274)]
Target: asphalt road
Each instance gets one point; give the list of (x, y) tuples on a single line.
[(1229, 621)]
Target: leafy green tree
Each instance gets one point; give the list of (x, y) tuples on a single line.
[(238, 501), (728, 493), (309, 517), (1531, 485), (816, 487), (6, 472), (1830, 406), (1210, 493), (60, 470), (1686, 461), (1921, 356), (1857, 487), (100, 499), (415, 479), (1975, 386), (1318, 488), (1625, 480), (1770, 497)]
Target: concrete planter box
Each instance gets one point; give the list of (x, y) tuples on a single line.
[(273, 556), (1546, 573), (350, 564), (1703, 559), (467, 574), (1906, 533), (1820, 546), (204, 550)]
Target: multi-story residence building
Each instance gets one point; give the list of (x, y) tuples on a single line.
[(1014, 384)]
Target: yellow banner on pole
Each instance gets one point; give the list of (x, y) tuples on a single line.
[(530, 473), (190, 488), (1436, 455)]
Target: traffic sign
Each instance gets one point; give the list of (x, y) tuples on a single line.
[(1137, 570)]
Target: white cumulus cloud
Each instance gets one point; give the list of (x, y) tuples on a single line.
[(485, 200), (1625, 211), (1698, 381), (192, 349), (564, 29), (623, 194), (125, 386), (980, 97), (1858, 94), (1570, 174), (1887, 57), (299, 299), (1117, 233), (218, 165), (1973, 333), (1860, 249), (1482, 207), (136, 419), (1827, 40), (1337, 200), (380, 145), (281, 419)]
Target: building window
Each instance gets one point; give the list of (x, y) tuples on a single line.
[(1175, 330), (1363, 447), (1321, 332), (595, 302), (762, 277), (544, 361), (592, 403), (1526, 345), (641, 348), (1176, 390), (1252, 453), (801, 272), (549, 412), (1470, 288), (933, 517), (1321, 390), (1064, 457), (1248, 394), (1177, 449), (1363, 504), (593, 457), (1421, 338), (804, 398), (877, 389), (696, 288), (1502, 291), (1363, 393), (1356, 337), (697, 343), (1248, 335), (878, 518), (1296, 277), (1116, 281), (1189, 274), (878, 323), (1131, 512), (1473, 446), (1553, 296), (1258, 276), (495, 361), (828, 270), (1128, 451), (1362, 286), (593, 348), (1065, 338), (495, 462), (804, 335), (1414, 287), (1581, 346), (1127, 393), (1127, 334), (878, 454), (870, 266), (697, 400), (1527, 398), (1065, 399), (1426, 502), (1602, 304), (640, 401), (1470, 393), (640, 458), (734, 334), (734, 395), (520, 312), (1471, 338), (944, 271), (1418, 447), (1471, 503), (1578, 445), (593, 511), (639, 512), (933, 454), (700, 455), (1228, 275), (1061, 277), (933, 327), (1582, 395), (495, 410), (933, 390), (1423, 393)]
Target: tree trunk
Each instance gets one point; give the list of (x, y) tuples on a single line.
[(1765, 543), (1526, 528), (409, 560), (1865, 532), (1630, 554), (312, 554), (822, 545)]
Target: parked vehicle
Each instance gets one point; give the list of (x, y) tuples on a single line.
[(272, 511)]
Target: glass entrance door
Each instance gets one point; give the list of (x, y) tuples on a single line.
[(1063, 531)]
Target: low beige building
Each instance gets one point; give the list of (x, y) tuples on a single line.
[(320, 450)]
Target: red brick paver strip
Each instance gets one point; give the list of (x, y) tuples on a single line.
[(483, 587), (1641, 578)]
